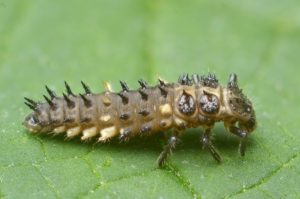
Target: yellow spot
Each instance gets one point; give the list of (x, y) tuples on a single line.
[(106, 100), (59, 129), (88, 133), (73, 131), (107, 133), (165, 110), (105, 118)]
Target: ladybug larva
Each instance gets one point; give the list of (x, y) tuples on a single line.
[(192, 102)]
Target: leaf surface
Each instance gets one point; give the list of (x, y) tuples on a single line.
[(47, 42)]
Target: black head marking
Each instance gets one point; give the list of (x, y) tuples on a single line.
[(86, 88), (50, 92), (124, 86), (70, 103), (186, 104)]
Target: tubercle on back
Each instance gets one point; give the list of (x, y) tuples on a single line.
[(188, 103)]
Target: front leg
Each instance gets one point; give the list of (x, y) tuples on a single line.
[(207, 144), (243, 138)]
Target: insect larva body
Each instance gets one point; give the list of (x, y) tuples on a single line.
[(188, 103)]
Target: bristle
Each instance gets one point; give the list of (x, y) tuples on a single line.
[(51, 104), (30, 101), (124, 98), (161, 82), (196, 78), (50, 92), (184, 79), (30, 106), (86, 88), (163, 91), (69, 91), (86, 101), (124, 86), (107, 87), (143, 94), (143, 83), (70, 103)]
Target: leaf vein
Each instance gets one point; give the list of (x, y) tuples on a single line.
[(264, 179)]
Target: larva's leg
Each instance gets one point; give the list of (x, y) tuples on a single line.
[(207, 144), (167, 151), (243, 138)]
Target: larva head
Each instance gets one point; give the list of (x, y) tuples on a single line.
[(31, 122), (240, 106), (36, 121)]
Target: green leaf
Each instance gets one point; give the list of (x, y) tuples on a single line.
[(47, 42)]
